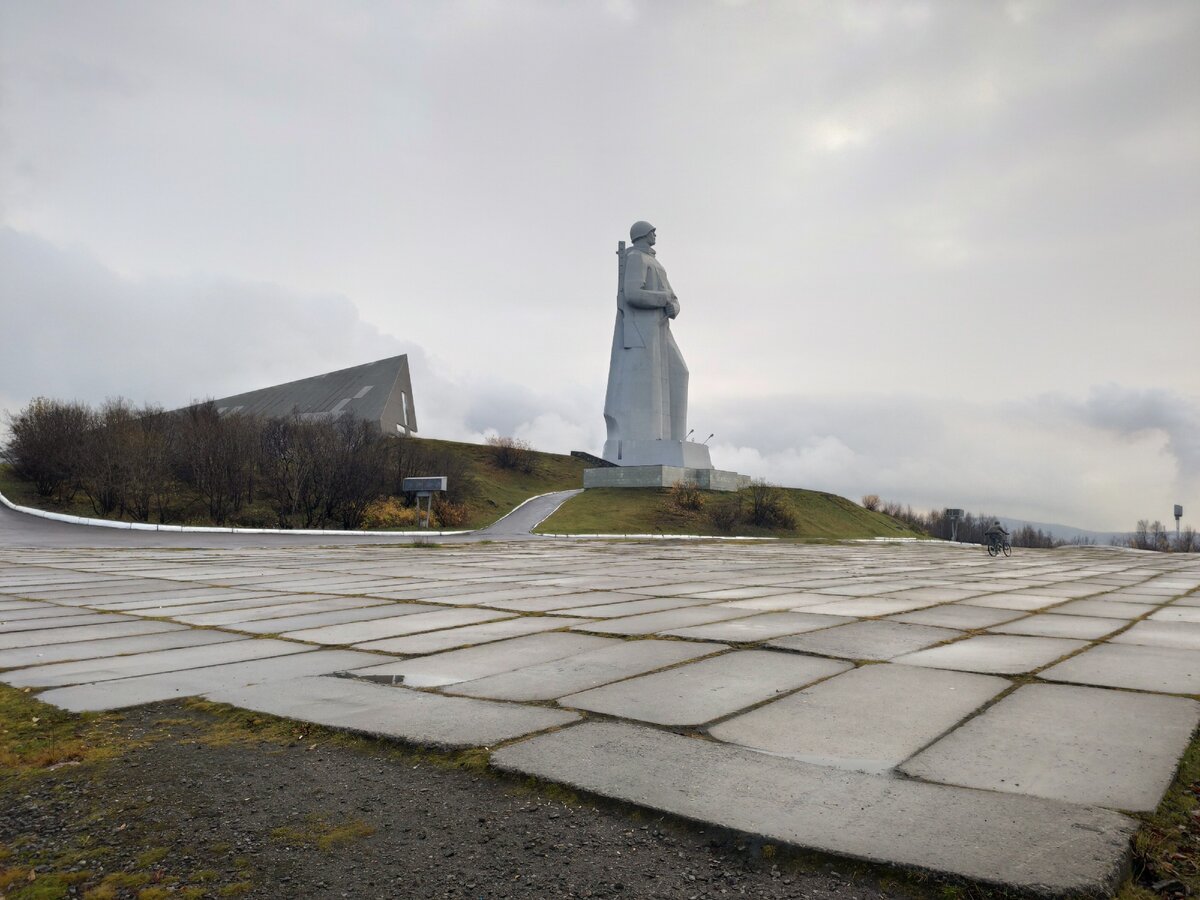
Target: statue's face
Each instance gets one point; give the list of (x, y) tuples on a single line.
[(650, 239)]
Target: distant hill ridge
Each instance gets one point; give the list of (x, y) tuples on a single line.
[(1065, 532)]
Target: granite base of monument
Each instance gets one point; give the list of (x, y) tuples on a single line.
[(685, 454), (664, 476)]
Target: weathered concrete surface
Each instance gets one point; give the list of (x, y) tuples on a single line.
[(669, 620), (322, 619), (709, 689), (127, 628), (758, 628), (557, 678), (419, 618), (1000, 654), (866, 640), (958, 615), (450, 638), (1081, 745), (167, 639), (1163, 669), (868, 720), (1023, 843), (193, 682), (489, 659), (1051, 625), (1180, 635), (89, 670), (396, 712)]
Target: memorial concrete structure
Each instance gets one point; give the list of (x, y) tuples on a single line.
[(645, 407), (379, 392)]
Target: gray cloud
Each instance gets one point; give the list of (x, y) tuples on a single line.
[(894, 227)]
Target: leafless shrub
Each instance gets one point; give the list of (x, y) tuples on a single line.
[(725, 514), (686, 495), (512, 453), (768, 507), (871, 502)]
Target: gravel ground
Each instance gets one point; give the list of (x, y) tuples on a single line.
[(190, 812)]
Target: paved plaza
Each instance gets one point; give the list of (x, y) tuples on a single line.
[(920, 705)]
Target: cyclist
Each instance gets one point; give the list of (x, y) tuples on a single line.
[(996, 534)]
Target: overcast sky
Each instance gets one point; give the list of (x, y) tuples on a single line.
[(948, 252)]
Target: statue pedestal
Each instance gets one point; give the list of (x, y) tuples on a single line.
[(680, 454), (709, 479)]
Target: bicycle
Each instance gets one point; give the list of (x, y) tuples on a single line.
[(999, 543)]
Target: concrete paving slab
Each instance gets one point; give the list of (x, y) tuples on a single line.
[(41, 611), (10, 606), (1165, 670), (1181, 635), (66, 618), (317, 620), (1189, 614), (780, 602), (1085, 628), (21, 657), (741, 593), (1020, 843), (706, 690), (430, 621), (280, 610), (867, 606), (150, 604), (753, 629), (493, 658), (450, 638), (1015, 600), (653, 623), (861, 588), (632, 607), (417, 717), (870, 719), (399, 623), (125, 628), (89, 670), (1000, 654), (1076, 744), (564, 602), (557, 678), (866, 640), (688, 588), (1104, 609), (126, 692), (936, 594), (958, 616)]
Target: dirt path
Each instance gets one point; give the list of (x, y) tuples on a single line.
[(205, 808)]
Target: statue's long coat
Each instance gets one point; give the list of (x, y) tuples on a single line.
[(647, 377)]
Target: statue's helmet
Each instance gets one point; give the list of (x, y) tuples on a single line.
[(640, 230)]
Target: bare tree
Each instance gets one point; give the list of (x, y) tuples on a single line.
[(45, 445)]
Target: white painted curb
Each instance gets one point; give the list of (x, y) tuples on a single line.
[(208, 529)]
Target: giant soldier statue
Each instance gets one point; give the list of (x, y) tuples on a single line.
[(645, 408)]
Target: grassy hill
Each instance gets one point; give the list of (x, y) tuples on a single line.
[(498, 492), (816, 515)]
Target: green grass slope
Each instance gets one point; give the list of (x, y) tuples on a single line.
[(502, 490), (499, 490), (818, 516)]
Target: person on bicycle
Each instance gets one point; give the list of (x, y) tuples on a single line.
[(996, 531)]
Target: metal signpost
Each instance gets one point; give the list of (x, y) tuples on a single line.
[(424, 488), (1178, 516), (954, 515)]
